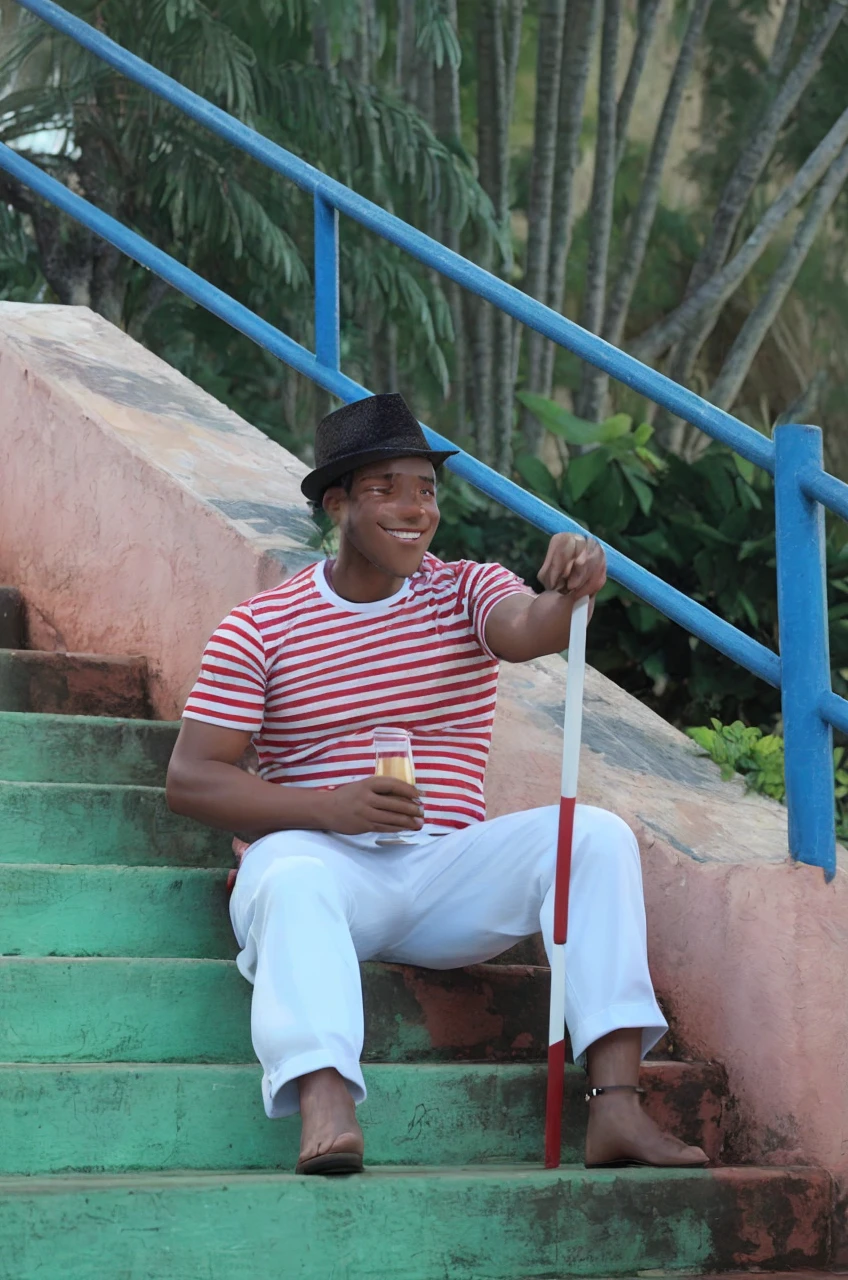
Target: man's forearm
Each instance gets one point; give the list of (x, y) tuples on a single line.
[(222, 795), (542, 628)]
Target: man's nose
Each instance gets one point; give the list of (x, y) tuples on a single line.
[(410, 506)]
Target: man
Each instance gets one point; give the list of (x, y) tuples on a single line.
[(388, 635)]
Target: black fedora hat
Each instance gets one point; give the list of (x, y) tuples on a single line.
[(365, 431)]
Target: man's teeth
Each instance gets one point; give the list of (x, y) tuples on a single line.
[(405, 535)]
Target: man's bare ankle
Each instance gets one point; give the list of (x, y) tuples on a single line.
[(321, 1084)]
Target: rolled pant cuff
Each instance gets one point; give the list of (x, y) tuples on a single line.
[(617, 1017), (279, 1088)]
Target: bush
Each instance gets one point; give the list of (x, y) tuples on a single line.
[(707, 528), (758, 757)]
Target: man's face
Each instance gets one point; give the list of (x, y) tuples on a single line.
[(390, 515)]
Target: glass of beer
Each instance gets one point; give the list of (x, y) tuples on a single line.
[(393, 751)]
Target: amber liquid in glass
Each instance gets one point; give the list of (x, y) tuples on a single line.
[(399, 766), (393, 752)]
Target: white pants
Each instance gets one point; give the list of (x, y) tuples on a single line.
[(308, 906)]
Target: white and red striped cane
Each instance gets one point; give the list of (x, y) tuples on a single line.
[(568, 796)]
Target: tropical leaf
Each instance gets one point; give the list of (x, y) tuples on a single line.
[(561, 422), (584, 471), (537, 475), (616, 427)]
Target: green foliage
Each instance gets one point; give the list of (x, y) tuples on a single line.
[(239, 225), (745, 749), (707, 528), (758, 757), (20, 275)]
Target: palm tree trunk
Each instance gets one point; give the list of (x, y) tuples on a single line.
[(784, 39), (321, 43), (715, 291), (590, 396), (648, 15), (750, 338), (633, 256), (515, 21), (448, 125), (490, 78), (540, 206), (734, 199), (492, 341), (580, 28), (405, 49)]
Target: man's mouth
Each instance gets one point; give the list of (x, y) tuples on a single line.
[(405, 535)]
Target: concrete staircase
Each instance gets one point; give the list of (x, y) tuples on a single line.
[(134, 1144)]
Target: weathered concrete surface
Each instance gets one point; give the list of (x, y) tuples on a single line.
[(182, 510), (747, 948), (98, 750), (463, 1224), (75, 824), (187, 1010), (73, 684), (113, 1118), (12, 629), (114, 911), (136, 508)]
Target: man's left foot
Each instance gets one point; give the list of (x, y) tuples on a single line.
[(620, 1132), (331, 1139)]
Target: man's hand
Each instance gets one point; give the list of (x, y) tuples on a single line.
[(574, 565), (374, 804), (523, 626)]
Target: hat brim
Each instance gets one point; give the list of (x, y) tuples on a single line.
[(314, 486)]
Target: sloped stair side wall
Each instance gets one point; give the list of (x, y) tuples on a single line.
[(136, 510)]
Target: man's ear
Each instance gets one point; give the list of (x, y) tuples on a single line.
[(333, 502)]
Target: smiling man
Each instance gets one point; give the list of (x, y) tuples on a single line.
[(388, 635)]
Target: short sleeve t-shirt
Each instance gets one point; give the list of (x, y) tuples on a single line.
[(311, 675)]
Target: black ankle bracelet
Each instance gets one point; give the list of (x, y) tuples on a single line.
[(611, 1088)]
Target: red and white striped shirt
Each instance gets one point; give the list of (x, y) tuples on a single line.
[(311, 675)]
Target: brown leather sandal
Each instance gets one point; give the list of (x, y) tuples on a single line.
[(332, 1162)]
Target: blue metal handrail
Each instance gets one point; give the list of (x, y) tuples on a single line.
[(802, 487)]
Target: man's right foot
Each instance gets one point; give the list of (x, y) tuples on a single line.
[(620, 1132), (331, 1139)]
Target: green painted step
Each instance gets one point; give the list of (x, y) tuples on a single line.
[(120, 1010), (114, 911), (76, 823), (94, 749), (118, 1118), (507, 1223), (73, 683)]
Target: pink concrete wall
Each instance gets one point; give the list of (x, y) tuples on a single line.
[(112, 466), (749, 951), (136, 511)]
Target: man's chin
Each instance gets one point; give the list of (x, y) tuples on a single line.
[(404, 565), (409, 567)]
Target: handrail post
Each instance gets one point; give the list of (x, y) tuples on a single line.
[(327, 346), (804, 649)]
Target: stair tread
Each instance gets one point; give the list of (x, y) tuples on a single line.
[(43, 681), (477, 1173), (503, 1222), (152, 1116), (160, 1009), (46, 747), (111, 824), (113, 659)]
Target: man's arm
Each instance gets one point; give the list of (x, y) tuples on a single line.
[(523, 627), (205, 782)]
